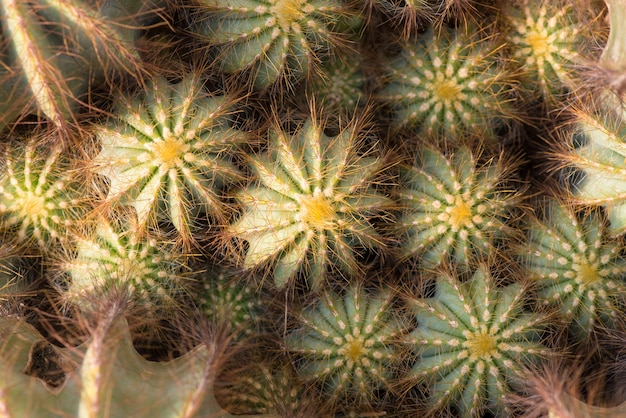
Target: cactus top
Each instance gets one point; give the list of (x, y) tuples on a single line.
[(312, 205)]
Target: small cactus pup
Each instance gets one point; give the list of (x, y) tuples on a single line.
[(339, 86), (232, 303), (267, 387), (347, 342), (115, 257), (274, 39), (312, 204), (169, 152), (577, 268), (107, 377), (59, 47), (43, 196), (472, 339), (455, 206), (447, 83), (549, 40)]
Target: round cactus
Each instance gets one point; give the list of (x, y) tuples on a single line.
[(547, 39), (273, 38), (168, 152), (347, 343), (312, 205), (116, 257), (267, 389), (339, 85), (42, 196), (454, 207), (473, 338), (447, 84), (576, 268), (231, 303)]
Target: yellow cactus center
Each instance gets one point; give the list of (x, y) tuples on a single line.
[(33, 206), (588, 274), (287, 12), (538, 42), (169, 151), (446, 90), (481, 345), (316, 211), (459, 214), (354, 351)]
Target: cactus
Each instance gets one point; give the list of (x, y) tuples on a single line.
[(454, 206), (577, 268), (339, 86), (472, 339), (347, 342), (312, 205), (447, 84), (60, 46), (273, 39), (145, 140), (116, 257), (235, 305), (547, 39), (42, 194), (105, 379), (169, 153), (267, 388)]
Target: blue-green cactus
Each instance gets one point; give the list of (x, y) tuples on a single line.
[(348, 342), (454, 207), (472, 339), (577, 268)]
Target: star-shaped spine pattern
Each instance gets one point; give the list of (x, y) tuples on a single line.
[(446, 83), (348, 342), (472, 339), (576, 267), (275, 38), (547, 38), (169, 153), (114, 256), (312, 204), (41, 196), (454, 206)]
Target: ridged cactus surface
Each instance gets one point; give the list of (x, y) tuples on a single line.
[(104, 377), (473, 339), (350, 208), (312, 204)]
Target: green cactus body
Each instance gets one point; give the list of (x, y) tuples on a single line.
[(274, 38), (454, 207), (338, 87), (312, 204), (600, 153), (41, 196), (110, 379), (547, 39), (447, 84), (235, 305), (115, 256), (473, 338), (347, 343), (169, 153), (576, 268), (269, 388), (60, 45)]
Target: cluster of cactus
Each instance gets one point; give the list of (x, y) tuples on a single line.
[(312, 208)]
